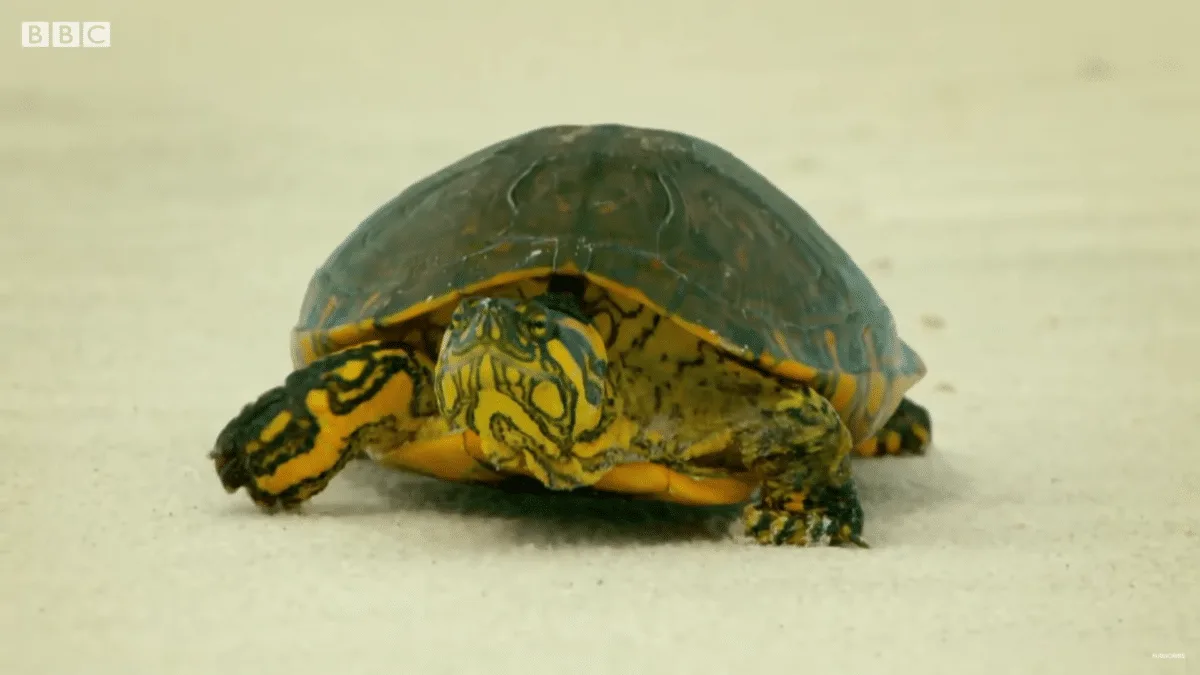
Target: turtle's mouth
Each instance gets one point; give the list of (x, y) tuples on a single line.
[(528, 379), (524, 417), (556, 473)]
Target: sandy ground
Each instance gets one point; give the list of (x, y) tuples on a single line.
[(1020, 183)]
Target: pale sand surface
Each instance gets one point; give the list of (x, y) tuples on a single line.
[(1020, 183)]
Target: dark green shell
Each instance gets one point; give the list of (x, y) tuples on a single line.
[(687, 224)]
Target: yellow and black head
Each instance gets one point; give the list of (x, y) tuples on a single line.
[(530, 377)]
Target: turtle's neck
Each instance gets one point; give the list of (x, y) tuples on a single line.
[(565, 294)]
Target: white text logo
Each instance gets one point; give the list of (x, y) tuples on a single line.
[(65, 34)]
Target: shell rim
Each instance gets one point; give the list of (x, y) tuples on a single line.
[(305, 342)]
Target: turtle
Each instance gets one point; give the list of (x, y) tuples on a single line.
[(601, 307)]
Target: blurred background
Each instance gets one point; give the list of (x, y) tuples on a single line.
[(1018, 179)]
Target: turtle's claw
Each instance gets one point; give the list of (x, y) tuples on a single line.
[(833, 520)]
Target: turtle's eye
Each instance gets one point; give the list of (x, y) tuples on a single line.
[(538, 326)]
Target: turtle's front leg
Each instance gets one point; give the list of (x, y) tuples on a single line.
[(808, 495), (286, 446)]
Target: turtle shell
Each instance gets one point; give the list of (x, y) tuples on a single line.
[(665, 218)]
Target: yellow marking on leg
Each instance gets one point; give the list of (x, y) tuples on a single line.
[(891, 441), (921, 433), (352, 370), (709, 446), (795, 502), (330, 442), (276, 427)]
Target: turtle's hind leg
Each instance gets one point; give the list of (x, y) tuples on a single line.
[(286, 446), (909, 431)]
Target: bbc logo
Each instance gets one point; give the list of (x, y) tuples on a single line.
[(65, 34)]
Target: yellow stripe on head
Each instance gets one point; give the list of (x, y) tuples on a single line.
[(530, 377)]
